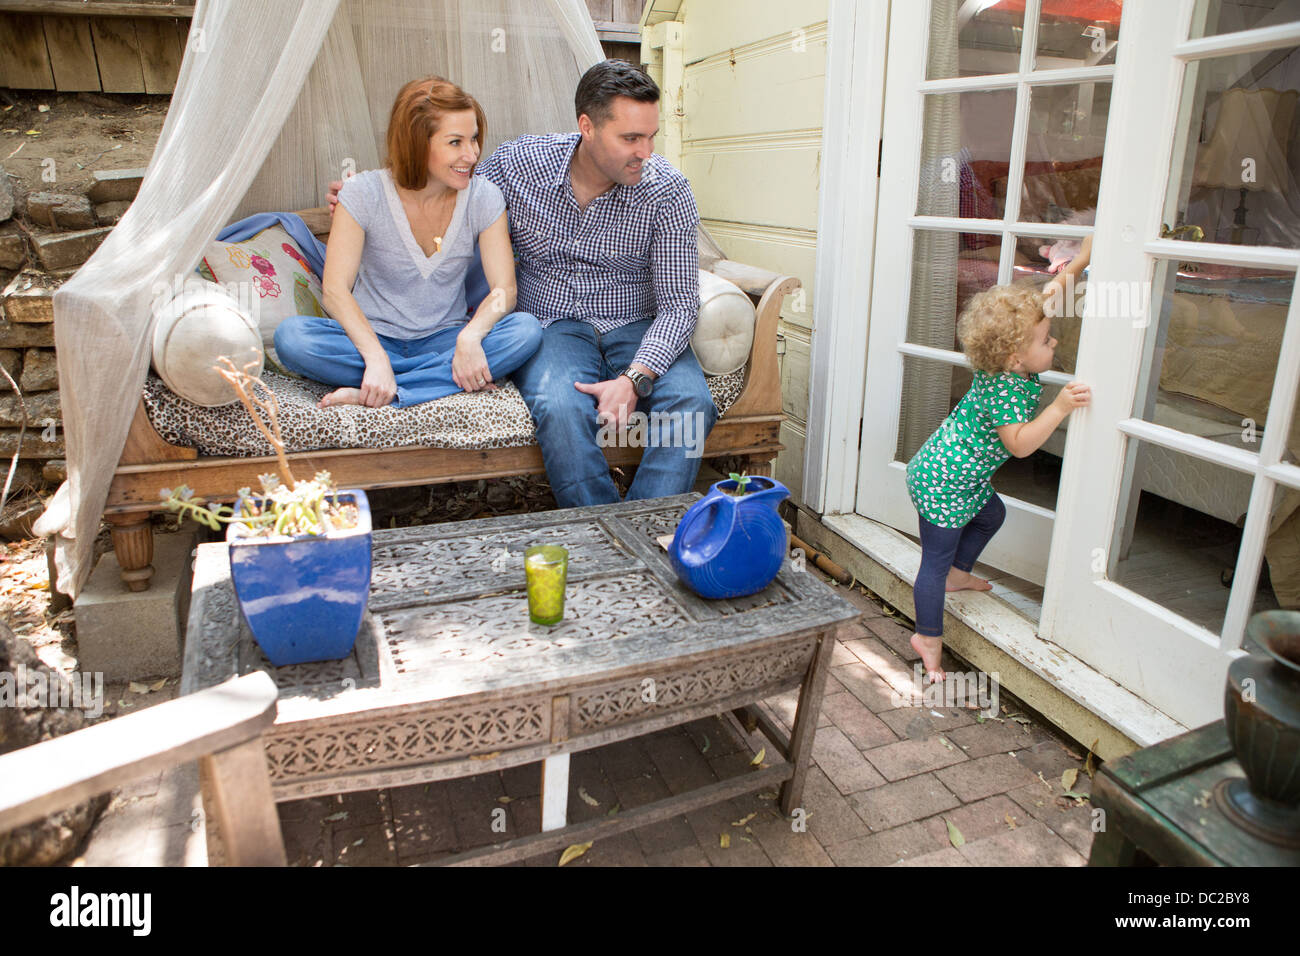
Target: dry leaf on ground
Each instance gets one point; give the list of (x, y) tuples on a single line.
[(954, 835), (587, 798), (573, 852), (1011, 821), (1068, 779), (724, 840), (758, 757), (743, 820)]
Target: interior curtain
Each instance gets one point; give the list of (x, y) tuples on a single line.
[(260, 122), (932, 314)]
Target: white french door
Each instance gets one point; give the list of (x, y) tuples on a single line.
[(1192, 429), (995, 124)]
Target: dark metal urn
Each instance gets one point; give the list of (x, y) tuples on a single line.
[(1261, 708)]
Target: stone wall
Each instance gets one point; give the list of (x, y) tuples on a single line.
[(44, 239)]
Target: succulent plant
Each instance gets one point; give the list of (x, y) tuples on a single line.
[(285, 506)]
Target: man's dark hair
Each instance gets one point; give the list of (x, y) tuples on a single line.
[(608, 79)]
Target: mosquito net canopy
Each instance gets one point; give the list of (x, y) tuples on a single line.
[(273, 101)]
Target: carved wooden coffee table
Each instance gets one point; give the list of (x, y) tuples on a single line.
[(450, 679)]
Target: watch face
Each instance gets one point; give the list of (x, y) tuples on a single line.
[(643, 386)]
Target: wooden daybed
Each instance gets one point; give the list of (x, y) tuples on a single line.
[(749, 428)]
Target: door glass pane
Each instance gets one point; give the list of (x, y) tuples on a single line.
[(1075, 33), (947, 269), (1178, 534), (1216, 17), (1291, 452), (1036, 258), (965, 148), (974, 38), (1234, 178), (931, 389), (1213, 342), (1063, 153), (1282, 551)]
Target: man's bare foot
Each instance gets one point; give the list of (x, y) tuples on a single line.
[(965, 581), (341, 396), (931, 651)]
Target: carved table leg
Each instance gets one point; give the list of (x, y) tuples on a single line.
[(555, 770), (240, 808), (805, 722), (133, 545), (555, 792)]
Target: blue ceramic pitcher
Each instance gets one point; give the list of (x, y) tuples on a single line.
[(728, 547)]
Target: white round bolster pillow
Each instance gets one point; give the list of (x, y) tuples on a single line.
[(724, 333), (194, 326)]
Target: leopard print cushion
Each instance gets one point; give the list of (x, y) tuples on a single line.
[(480, 420)]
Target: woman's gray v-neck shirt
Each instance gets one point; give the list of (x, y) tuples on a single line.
[(404, 293)]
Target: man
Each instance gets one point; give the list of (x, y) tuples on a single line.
[(605, 234), (604, 231)]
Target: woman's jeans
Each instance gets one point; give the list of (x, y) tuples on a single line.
[(319, 349), (945, 548)]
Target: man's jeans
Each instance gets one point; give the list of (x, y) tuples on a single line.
[(567, 426)]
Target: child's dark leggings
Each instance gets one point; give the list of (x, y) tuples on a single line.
[(944, 548)]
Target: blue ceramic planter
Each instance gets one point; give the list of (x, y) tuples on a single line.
[(304, 597), (728, 547)]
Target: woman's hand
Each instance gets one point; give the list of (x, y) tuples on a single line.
[(469, 366), (378, 385)]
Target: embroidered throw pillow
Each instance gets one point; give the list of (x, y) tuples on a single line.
[(272, 275)]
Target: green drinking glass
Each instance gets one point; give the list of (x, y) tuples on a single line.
[(546, 568)]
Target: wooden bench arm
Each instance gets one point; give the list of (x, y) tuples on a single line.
[(56, 774), (761, 395)]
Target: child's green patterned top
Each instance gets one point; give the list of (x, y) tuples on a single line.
[(948, 477)]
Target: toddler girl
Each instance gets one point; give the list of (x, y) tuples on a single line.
[(1008, 340)]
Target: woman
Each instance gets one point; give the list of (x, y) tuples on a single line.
[(400, 246)]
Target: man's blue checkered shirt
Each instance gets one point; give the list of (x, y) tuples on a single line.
[(631, 255)]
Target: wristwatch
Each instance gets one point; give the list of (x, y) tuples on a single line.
[(641, 382)]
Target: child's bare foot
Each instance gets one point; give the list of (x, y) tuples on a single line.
[(959, 580), (931, 651), (341, 396)]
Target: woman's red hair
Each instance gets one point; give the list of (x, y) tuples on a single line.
[(417, 111)]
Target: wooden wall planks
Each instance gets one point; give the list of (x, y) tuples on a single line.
[(114, 54), (118, 53), (72, 53), (23, 53)]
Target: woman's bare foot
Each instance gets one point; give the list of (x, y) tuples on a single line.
[(959, 580), (931, 650), (341, 396)]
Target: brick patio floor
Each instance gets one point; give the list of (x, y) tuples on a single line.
[(887, 784), (891, 785)]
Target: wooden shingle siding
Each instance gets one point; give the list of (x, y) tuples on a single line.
[(751, 144)]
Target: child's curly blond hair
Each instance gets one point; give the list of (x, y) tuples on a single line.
[(997, 323)]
